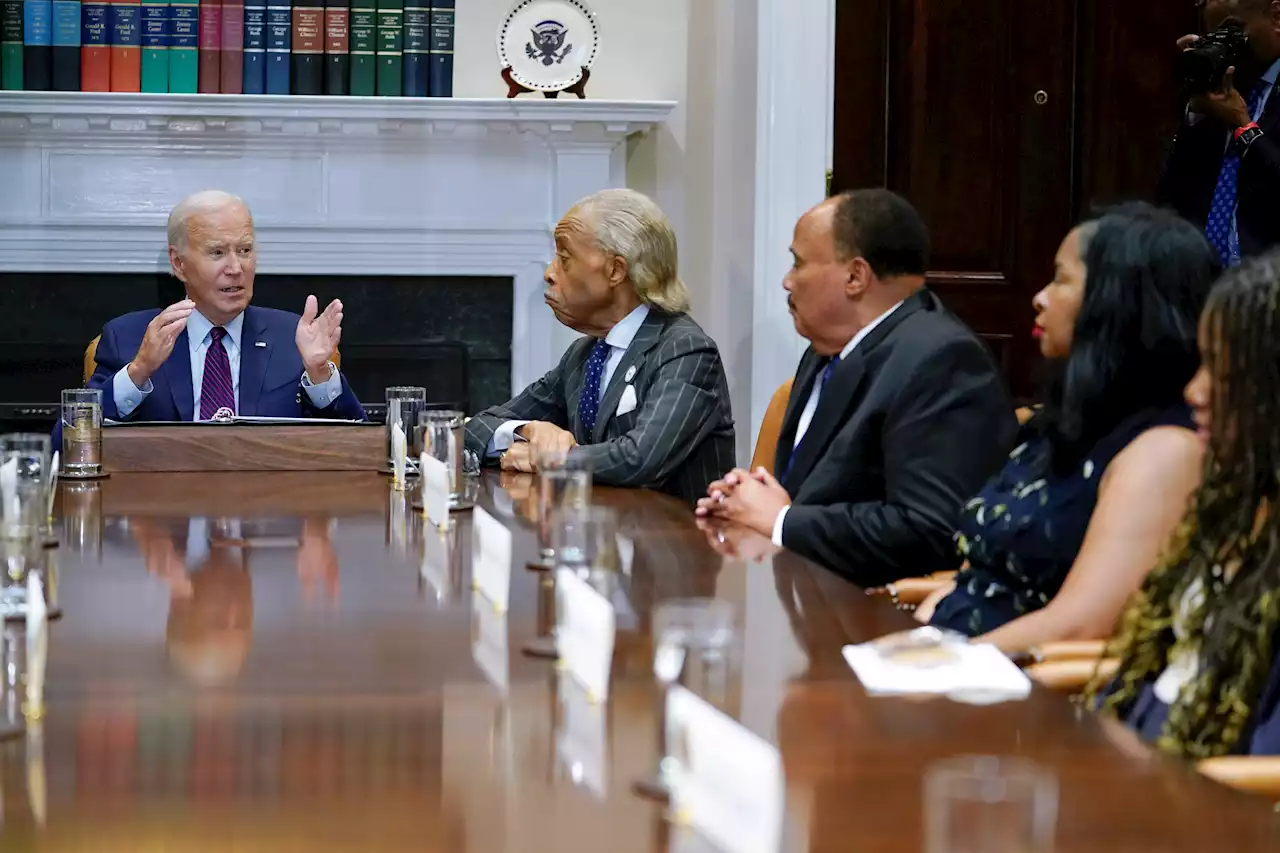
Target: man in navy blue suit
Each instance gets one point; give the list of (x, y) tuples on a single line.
[(212, 353)]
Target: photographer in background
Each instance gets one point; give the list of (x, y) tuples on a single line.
[(1223, 172)]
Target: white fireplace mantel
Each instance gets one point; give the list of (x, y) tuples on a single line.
[(338, 186)]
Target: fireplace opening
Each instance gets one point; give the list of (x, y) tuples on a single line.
[(449, 334)]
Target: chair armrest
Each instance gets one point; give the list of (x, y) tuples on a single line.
[(1253, 774), (1089, 650), (909, 592), (1070, 675)]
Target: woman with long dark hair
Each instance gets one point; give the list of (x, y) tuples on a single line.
[(1197, 646), (1064, 534)]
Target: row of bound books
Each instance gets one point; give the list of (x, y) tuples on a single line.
[(229, 47)]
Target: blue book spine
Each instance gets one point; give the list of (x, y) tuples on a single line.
[(37, 45), (440, 76), (279, 44), (417, 45), (66, 45), (255, 47)]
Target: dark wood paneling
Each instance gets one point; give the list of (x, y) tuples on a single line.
[(1003, 123), (233, 447)]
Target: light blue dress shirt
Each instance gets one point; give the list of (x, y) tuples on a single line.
[(199, 337), (618, 339)]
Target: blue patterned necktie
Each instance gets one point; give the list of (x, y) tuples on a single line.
[(589, 402), (216, 390), (832, 364), (1222, 211)]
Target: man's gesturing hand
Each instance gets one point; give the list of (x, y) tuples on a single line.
[(317, 338), (158, 340)]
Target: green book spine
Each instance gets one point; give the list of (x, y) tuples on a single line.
[(364, 20), (390, 47), (184, 46), (155, 45), (11, 44)]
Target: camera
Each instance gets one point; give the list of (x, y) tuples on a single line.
[(1201, 67)]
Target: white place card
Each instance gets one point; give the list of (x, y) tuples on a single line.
[(491, 559), (585, 630), (962, 671), (434, 480), (580, 738), (489, 641), (399, 448), (731, 787)]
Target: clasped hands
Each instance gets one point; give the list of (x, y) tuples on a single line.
[(539, 437), (752, 499)]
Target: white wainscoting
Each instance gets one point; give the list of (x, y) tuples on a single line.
[(338, 186)]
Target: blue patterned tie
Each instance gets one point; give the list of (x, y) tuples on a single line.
[(589, 402), (216, 389), (1222, 211), (822, 383)]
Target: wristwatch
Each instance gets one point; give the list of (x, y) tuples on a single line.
[(1246, 136)]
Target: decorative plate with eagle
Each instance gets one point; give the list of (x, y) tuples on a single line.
[(547, 43)]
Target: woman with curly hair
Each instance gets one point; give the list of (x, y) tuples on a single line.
[(1197, 646), (1059, 540)]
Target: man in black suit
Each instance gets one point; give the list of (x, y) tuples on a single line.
[(1223, 170), (897, 415)]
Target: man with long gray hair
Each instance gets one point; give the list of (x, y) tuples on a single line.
[(642, 398)]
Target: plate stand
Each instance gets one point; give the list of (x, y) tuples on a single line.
[(514, 88)]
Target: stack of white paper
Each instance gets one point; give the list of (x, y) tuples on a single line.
[(959, 670)]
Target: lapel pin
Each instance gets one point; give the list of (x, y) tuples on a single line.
[(631, 374), (259, 343)]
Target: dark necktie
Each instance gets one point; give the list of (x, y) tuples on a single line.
[(216, 391), (832, 364), (589, 402), (1222, 211)]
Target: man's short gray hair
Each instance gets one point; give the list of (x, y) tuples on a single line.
[(205, 201), (630, 225)]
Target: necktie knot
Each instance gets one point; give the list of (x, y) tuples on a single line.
[(218, 334), (832, 364)]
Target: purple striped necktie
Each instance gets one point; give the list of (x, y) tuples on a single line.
[(216, 391)]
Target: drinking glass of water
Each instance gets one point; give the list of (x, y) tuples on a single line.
[(562, 485), (81, 452), (989, 804), (24, 482)]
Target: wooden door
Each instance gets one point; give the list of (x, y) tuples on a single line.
[(1002, 121)]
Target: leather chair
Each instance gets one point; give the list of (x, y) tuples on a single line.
[(91, 352), (771, 428)]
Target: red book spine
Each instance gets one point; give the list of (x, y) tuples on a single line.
[(126, 46), (232, 47), (95, 50), (210, 47)]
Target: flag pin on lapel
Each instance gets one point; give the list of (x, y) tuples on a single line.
[(631, 374), (259, 343)]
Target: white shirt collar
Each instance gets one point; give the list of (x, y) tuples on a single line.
[(199, 327), (866, 330), (624, 332)]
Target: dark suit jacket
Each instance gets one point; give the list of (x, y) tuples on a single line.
[(270, 376), (908, 428), (1191, 174), (678, 439)]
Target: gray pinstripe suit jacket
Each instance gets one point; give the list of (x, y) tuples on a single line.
[(678, 439)]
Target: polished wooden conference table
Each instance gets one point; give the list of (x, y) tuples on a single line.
[(340, 694)]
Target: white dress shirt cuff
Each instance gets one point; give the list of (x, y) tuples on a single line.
[(777, 526), (504, 435), (127, 395), (326, 392)]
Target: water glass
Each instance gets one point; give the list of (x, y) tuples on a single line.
[(24, 484), (404, 404), (19, 558), (585, 539), (81, 452), (442, 439), (692, 643), (562, 486), (989, 804)]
